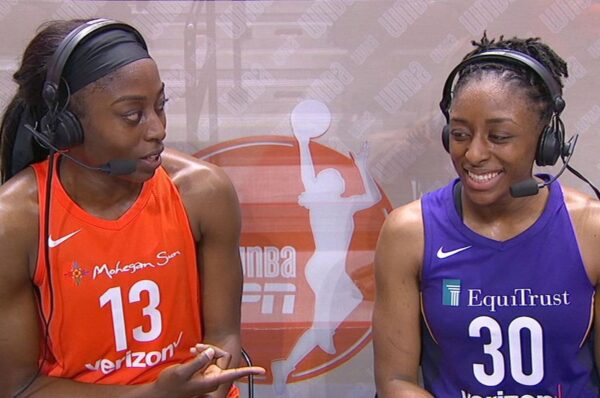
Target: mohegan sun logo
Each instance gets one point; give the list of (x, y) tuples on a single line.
[(310, 221), (76, 273)]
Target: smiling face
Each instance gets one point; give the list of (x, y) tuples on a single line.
[(123, 117), (494, 131)]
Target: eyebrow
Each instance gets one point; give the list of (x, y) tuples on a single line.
[(136, 97), (491, 120), (500, 120)]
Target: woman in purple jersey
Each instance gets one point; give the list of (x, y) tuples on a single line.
[(489, 282)]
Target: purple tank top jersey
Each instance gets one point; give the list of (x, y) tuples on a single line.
[(505, 319)]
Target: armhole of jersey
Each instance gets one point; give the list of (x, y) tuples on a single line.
[(573, 232), (40, 274), (424, 317), (425, 217), (590, 322), (180, 204), (40, 175), (168, 181)]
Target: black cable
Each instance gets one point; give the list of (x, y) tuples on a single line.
[(250, 377), (578, 174)]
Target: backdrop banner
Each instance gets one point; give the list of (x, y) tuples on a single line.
[(325, 116)]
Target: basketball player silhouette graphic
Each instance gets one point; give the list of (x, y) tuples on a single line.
[(332, 225)]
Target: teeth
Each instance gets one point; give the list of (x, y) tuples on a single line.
[(482, 177)]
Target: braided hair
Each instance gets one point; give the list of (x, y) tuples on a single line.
[(30, 79), (523, 77)]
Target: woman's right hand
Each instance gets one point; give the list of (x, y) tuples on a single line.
[(202, 375)]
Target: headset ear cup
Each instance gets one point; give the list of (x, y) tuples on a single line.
[(46, 127), (549, 147), (446, 138), (68, 131)]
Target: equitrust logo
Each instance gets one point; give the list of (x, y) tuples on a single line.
[(310, 221), (451, 292)]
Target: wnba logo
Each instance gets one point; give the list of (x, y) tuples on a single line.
[(310, 221)]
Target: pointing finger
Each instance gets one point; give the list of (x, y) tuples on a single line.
[(211, 381)]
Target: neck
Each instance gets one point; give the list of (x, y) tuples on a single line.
[(504, 219), (98, 193)]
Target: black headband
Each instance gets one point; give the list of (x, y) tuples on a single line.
[(100, 55)]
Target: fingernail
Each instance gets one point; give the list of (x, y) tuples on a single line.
[(210, 352)]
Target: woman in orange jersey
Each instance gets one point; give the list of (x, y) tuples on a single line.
[(120, 266)]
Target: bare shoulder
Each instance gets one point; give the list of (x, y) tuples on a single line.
[(585, 214), (19, 221), (193, 176), (405, 221), (206, 190), (401, 240), (584, 210), (19, 201)]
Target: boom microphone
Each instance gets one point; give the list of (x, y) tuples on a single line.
[(115, 167), (531, 186)]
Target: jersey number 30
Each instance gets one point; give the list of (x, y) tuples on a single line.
[(492, 349)]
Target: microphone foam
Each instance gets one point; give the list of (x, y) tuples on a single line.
[(119, 167), (524, 188)]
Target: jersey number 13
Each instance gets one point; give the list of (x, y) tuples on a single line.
[(115, 298)]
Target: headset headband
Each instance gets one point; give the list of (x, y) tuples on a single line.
[(65, 49), (506, 56)]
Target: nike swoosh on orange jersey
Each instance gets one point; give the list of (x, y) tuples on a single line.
[(54, 243)]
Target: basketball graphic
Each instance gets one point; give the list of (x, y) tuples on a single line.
[(310, 119), (310, 221)]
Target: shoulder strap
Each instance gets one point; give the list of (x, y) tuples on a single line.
[(457, 199)]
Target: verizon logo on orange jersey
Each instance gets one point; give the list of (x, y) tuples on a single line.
[(137, 359)]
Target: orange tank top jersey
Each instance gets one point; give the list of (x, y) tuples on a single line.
[(126, 291)]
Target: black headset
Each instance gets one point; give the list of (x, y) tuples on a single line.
[(59, 126), (551, 144)]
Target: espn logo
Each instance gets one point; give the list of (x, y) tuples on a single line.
[(265, 294)]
